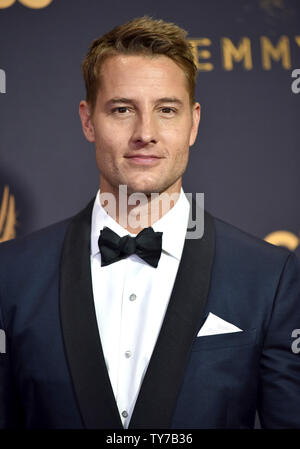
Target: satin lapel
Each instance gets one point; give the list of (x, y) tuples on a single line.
[(157, 398), (80, 330)]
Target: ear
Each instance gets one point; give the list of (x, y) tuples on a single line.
[(196, 113), (86, 121)]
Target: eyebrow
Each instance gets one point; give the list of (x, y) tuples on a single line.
[(173, 100)]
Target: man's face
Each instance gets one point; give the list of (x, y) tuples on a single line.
[(143, 124)]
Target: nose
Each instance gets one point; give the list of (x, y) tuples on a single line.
[(144, 131)]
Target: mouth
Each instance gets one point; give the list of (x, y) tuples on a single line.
[(142, 159)]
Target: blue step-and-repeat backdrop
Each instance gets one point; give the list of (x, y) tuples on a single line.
[(247, 157)]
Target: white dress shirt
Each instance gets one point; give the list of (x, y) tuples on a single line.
[(131, 298)]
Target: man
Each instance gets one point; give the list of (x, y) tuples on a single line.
[(111, 322)]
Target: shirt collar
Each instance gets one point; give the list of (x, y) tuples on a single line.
[(173, 225)]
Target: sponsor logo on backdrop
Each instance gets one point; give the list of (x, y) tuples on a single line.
[(283, 238), (8, 219), (272, 50), (34, 4), (2, 81)]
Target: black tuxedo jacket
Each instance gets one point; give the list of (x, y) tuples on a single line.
[(53, 373)]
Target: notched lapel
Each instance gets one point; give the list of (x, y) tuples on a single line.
[(83, 347), (158, 394)]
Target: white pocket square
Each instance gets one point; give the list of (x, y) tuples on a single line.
[(215, 325)]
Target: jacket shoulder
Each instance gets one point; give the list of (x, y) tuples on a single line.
[(42, 242), (247, 248)]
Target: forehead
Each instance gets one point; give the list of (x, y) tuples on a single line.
[(138, 74)]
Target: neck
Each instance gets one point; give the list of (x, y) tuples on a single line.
[(136, 211)]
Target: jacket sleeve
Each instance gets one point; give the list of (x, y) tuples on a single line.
[(279, 384), (11, 413)]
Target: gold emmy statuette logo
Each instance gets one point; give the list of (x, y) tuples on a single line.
[(34, 4), (283, 238), (7, 216)]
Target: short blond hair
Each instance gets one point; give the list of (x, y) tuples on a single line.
[(140, 36)]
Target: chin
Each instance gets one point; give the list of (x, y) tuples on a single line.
[(142, 187), (147, 189)]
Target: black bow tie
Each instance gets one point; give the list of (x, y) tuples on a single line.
[(147, 245)]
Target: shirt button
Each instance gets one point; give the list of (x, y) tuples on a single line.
[(132, 297), (127, 354), (124, 414)]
